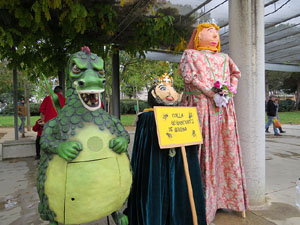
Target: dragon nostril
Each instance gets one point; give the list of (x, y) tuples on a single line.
[(81, 83), (103, 82)]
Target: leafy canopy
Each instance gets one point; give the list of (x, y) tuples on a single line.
[(38, 35)]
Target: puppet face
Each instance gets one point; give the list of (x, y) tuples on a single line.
[(209, 37), (165, 95), (86, 72)]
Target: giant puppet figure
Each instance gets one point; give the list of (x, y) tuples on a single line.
[(209, 77), (84, 173), (159, 194)]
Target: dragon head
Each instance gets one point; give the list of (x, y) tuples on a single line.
[(86, 76)]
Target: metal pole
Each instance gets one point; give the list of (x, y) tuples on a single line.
[(27, 106), (15, 82), (116, 84)]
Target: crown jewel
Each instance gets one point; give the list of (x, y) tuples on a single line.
[(165, 79)]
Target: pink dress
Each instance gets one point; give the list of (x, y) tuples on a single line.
[(220, 155)]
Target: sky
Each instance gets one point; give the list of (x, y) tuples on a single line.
[(281, 9)]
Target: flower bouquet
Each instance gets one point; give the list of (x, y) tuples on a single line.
[(224, 89), (223, 93)]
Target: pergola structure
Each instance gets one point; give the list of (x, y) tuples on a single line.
[(258, 36), (281, 25)]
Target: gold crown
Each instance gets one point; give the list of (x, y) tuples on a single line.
[(165, 79)]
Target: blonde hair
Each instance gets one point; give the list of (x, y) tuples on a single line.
[(199, 28)]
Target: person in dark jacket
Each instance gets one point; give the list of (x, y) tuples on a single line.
[(271, 113)]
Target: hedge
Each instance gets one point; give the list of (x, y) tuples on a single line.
[(127, 106), (287, 105), (34, 109)]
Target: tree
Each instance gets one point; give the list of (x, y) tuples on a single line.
[(274, 81), (38, 35), (292, 85), (137, 73), (6, 85)]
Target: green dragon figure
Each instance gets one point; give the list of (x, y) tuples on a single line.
[(84, 173)]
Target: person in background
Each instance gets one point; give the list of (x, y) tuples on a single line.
[(277, 114), (271, 113), (38, 127), (22, 115), (47, 109)]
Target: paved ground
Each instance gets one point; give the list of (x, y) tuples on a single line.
[(18, 196)]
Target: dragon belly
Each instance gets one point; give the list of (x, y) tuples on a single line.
[(93, 185)]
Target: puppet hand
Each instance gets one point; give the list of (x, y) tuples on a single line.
[(120, 218), (228, 98), (218, 100), (224, 101), (118, 144), (69, 150)]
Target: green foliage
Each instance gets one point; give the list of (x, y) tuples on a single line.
[(34, 109), (38, 35), (290, 84), (287, 105), (276, 79), (137, 73), (127, 106)]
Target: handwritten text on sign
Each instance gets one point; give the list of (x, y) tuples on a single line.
[(177, 126)]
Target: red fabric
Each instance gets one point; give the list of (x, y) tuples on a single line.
[(47, 107), (38, 128), (191, 41)]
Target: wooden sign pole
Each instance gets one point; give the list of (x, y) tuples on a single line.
[(189, 185)]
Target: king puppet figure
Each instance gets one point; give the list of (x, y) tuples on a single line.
[(159, 194)]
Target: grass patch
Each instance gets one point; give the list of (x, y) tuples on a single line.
[(128, 120), (8, 121), (289, 117)]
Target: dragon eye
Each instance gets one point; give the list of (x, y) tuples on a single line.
[(101, 73), (75, 69)]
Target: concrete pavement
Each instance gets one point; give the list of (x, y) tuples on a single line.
[(19, 199)]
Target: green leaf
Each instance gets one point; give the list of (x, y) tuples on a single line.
[(36, 7), (9, 40)]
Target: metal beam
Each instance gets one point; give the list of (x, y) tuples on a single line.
[(282, 67), (198, 7), (163, 56), (286, 28), (280, 45), (266, 5), (270, 3), (15, 81), (281, 21), (282, 36), (284, 53)]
